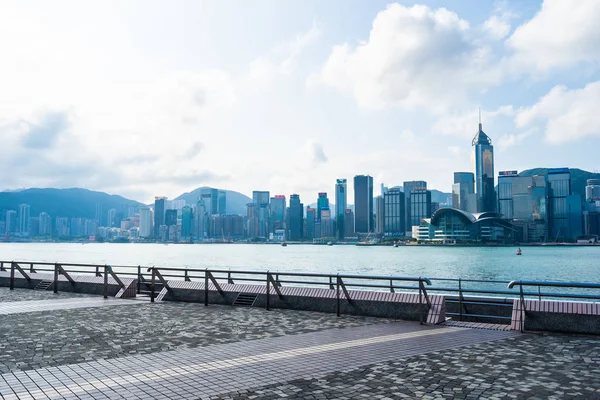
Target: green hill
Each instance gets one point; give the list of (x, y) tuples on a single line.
[(235, 201), (71, 203), (579, 178)]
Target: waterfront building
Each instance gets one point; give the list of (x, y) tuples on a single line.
[(322, 202), (311, 216), (420, 206), (277, 213), (483, 166), (348, 223), (24, 215), (159, 214), (76, 227), (146, 223), (379, 215), (11, 221), (513, 195), (591, 213), (394, 224), (222, 202), (450, 225), (2, 228), (170, 217), (253, 228), (62, 226), (565, 212), (261, 200), (434, 207), (34, 226), (326, 223), (463, 192), (45, 223), (296, 218), (200, 224), (111, 219), (187, 222), (409, 187), (227, 227), (341, 203), (363, 204)]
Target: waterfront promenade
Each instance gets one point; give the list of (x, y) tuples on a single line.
[(78, 346)]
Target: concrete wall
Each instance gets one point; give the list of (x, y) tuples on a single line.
[(63, 286), (560, 322), (488, 306)]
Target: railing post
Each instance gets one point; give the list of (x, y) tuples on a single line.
[(98, 274), (391, 286), (186, 277), (337, 296), (153, 285), (206, 287), (268, 294), (460, 299), (229, 280), (539, 294), (522, 307), (331, 283), (55, 277), (31, 268), (420, 303), (106, 281), (139, 279), (12, 275), (1, 266)]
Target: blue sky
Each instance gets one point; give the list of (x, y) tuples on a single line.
[(147, 98)]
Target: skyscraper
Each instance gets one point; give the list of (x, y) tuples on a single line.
[(11, 221), (211, 200), (341, 203), (420, 205), (187, 222), (394, 215), (322, 202), (483, 166), (45, 224), (326, 222), (463, 192), (201, 220), (100, 216), (379, 215), (171, 217), (222, 202), (261, 200), (409, 186), (111, 218), (296, 218), (277, 212), (348, 223), (311, 216), (24, 215), (159, 214), (363, 204), (145, 222)]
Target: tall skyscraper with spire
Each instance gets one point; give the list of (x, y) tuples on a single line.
[(483, 167)]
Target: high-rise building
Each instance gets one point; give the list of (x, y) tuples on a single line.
[(45, 224), (146, 230), (24, 215), (62, 226), (100, 216), (379, 215), (253, 228), (409, 186), (483, 166), (420, 205), (559, 187), (311, 216), (11, 221), (159, 214), (34, 226), (322, 202), (463, 192), (591, 214), (363, 204), (187, 222), (222, 202), (277, 212), (200, 226), (211, 200), (111, 219), (394, 213), (592, 190), (326, 223), (261, 199), (170, 217), (514, 195), (341, 203), (348, 223), (296, 218)]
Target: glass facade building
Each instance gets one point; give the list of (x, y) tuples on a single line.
[(159, 215), (187, 222), (296, 218), (322, 202), (463, 191), (420, 205), (311, 215), (559, 187), (409, 186), (363, 204), (394, 213), (483, 166), (341, 203)]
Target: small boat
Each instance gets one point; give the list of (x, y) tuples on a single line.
[(283, 244), (519, 252), (329, 244)]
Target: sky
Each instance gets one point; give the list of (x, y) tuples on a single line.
[(149, 98)]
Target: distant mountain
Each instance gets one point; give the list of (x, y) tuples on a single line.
[(69, 203), (235, 202), (579, 178)]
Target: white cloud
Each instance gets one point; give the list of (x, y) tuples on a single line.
[(465, 124), (497, 27), (315, 153), (283, 59), (561, 34), (568, 115), (414, 57), (508, 140)]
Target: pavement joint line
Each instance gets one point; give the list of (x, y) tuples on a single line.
[(159, 374)]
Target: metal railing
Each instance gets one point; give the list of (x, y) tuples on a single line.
[(466, 293)]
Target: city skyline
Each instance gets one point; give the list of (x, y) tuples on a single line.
[(167, 100)]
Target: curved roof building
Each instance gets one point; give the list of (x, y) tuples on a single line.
[(453, 225)]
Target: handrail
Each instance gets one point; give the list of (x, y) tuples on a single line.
[(578, 285)]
